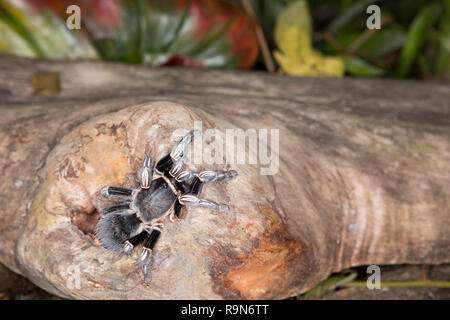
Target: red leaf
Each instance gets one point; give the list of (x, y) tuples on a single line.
[(241, 35), (180, 60)]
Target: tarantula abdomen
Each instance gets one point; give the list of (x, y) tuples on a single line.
[(114, 229)]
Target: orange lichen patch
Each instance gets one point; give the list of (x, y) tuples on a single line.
[(268, 270), (119, 163), (103, 164), (256, 276)]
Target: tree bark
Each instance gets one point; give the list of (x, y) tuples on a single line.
[(364, 170)]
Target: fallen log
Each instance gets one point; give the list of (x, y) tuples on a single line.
[(362, 178)]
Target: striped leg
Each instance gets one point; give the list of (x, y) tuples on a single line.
[(177, 167), (179, 150), (132, 242), (178, 211), (120, 207), (195, 201), (192, 198), (119, 193), (177, 154), (206, 176), (153, 234), (194, 188), (146, 173)]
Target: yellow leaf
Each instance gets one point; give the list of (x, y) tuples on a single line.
[(294, 41), (293, 37), (293, 29), (313, 64)]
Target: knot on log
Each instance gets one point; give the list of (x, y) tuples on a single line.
[(246, 252)]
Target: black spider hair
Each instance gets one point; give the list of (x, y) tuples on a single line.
[(116, 228)]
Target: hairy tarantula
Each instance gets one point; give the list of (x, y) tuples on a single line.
[(139, 215)]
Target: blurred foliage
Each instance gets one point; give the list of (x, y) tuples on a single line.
[(306, 37), (42, 36), (417, 35), (154, 32), (413, 42), (331, 284)]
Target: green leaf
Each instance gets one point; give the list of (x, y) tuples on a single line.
[(18, 22), (11, 42), (405, 10), (153, 32), (266, 12), (330, 284), (359, 67), (442, 65), (383, 42), (355, 10), (424, 65), (39, 35), (4, 296), (416, 37)]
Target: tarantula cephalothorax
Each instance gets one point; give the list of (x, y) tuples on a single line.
[(139, 215)]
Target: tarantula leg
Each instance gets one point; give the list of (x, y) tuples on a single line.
[(164, 164), (206, 176), (177, 154), (120, 207), (132, 242), (178, 212), (185, 175), (117, 193), (196, 187), (146, 173), (193, 200), (146, 258), (210, 176), (177, 167), (179, 150)]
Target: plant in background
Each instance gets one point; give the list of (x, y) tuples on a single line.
[(293, 36), (414, 39), (314, 38), (153, 32), (40, 35)]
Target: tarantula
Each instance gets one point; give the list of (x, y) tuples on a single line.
[(139, 215)]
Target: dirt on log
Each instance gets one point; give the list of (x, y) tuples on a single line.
[(362, 178)]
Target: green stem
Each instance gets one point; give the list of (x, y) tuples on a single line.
[(402, 284)]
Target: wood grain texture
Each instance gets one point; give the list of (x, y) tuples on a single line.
[(363, 178)]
